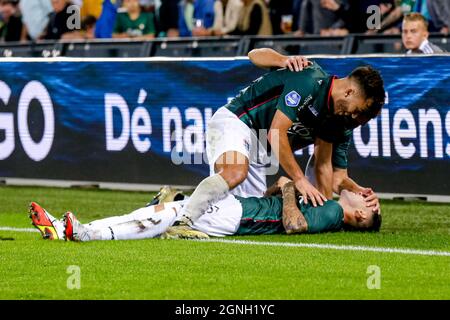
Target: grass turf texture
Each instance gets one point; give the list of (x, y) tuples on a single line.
[(32, 268)]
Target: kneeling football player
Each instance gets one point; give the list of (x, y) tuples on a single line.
[(279, 211)]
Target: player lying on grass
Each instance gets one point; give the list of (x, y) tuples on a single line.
[(232, 215)]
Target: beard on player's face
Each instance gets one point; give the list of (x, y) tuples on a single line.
[(348, 112), (342, 108), (352, 104)]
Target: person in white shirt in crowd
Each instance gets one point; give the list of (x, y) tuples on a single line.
[(35, 16), (415, 35)]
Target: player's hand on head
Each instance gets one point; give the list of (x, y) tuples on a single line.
[(371, 199), (310, 193), (296, 63)]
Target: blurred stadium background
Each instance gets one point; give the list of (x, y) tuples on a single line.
[(76, 113), (89, 98), (208, 28)]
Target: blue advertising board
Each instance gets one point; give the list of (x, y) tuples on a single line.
[(128, 121)]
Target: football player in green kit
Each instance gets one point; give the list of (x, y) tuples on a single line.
[(308, 107), (279, 211)]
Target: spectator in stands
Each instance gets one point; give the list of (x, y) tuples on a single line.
[(57, 25), (186, 17), (392, 22), (415, 35), (168, 18), (296, 11), (277, 9), (255, 19), (226, 18), (35, 16), (11, 26), (88, 27), (195, 17), (105, 24), (386, 9), (203, 13), (147, 5), (315, 19), (91, 8), (354, 12), (87, 31), (440, 14), (134, 23)]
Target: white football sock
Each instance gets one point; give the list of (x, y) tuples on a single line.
[(139, 214), (210, 190), (150, 227)]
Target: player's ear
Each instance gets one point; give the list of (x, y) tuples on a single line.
[(359, 215), (349, 91)]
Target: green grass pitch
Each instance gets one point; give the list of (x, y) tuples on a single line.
[(32, 268)]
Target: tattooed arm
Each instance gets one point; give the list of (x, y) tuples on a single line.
[(293, 219), (273, 190)]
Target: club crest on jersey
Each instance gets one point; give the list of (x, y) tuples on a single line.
[(292, 99)]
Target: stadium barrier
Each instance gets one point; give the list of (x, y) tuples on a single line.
[(142, 121), (213, 46)]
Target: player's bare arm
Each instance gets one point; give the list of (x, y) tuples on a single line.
[(341, 181), (293, 219), (323, 167), (273, 190), (269, 58), (278, 134)]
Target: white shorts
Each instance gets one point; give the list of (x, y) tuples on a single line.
[(221, 219), (225, 133)]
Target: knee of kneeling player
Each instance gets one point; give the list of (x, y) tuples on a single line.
[(234, 177)]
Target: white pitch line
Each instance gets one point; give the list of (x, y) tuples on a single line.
[(300, 245), (18, 229), (333, 247)]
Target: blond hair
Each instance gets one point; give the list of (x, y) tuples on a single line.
[(415, 16)]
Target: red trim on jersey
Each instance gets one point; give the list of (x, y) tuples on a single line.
[(329, 91), (258, 105), (250, 219)]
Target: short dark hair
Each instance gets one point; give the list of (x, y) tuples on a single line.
[(12, 2), (87, 22), (371, 82), (376, 222)]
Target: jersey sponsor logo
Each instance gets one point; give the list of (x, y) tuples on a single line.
[(308, 99), (313, 110), (292, 99)]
